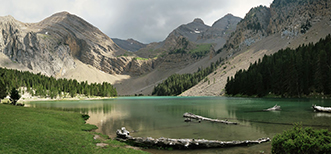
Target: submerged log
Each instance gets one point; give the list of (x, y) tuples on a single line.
[(197, 117), (122, 135), (321, 109), (275, 108), (187, 119)]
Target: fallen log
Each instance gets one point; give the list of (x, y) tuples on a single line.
[(274, 108), (123, 135), (321, 109), (197, 117)]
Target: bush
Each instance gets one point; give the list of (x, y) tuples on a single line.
[(302, 140)]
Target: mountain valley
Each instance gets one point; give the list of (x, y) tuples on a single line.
[(65, 46)]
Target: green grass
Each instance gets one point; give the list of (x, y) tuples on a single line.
[(140, 58), (31, 130), (201, 47), (201, 50)]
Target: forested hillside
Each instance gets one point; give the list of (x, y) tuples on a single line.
[(289, 73), (41, 85), (178, 83)]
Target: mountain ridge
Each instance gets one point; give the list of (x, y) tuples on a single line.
[(129, 44), (63, 46), (251, 41), (196, 32), (52, 45)]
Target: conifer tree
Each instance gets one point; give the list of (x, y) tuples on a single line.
[(14, 96), (3, 90)]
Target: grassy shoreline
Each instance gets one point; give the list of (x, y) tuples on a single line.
[(32, 130)]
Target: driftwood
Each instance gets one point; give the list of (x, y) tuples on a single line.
[(275, 108), (197, 117), (123, 135), (321, 109)]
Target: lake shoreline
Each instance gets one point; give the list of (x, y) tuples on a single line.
[(26, 97)]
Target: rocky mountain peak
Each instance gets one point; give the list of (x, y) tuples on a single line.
[(288, 18), (66, 19), (8, 17), (198, 20), (51, 45), (229, 15), (226, 21), (5, 20), (129, 44), (63, 13)]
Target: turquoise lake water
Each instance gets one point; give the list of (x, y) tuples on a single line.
[(163, 117)]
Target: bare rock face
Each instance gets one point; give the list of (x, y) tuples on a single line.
[(129, 44), (36, 50), (196, 32), (288, 18), (51, 45), (251, 29), (138, 67), (220, 31), (295, 17)]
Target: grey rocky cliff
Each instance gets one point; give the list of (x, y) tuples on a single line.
[(287, 18), (196, 32), (33, 49), (220, 31), (129, 44), (52, 45)]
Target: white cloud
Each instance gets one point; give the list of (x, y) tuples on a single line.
[(144, 20)]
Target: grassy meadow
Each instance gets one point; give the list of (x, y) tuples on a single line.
[(31, 130)]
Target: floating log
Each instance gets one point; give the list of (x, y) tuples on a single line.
[(197, 117), (275, 108), (321, 109), (123, 135)]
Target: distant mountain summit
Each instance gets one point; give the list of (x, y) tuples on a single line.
[(198, 32), (198, 20), (220, 31), (129, 44), (195, 32), (191, 30)]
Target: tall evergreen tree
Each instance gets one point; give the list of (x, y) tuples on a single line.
[(3, 90), (14, 96)]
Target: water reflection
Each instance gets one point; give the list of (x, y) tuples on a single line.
[(77, 106), (319, 114), (292, 111), (162, 116)]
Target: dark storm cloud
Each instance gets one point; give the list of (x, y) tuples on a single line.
[(143, 20)]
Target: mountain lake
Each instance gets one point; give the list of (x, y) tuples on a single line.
[(163, 117)]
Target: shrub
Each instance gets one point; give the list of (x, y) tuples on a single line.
[(302, 140)]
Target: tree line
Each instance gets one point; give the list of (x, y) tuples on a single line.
[(41, 85), (178, 83), (296, 72)]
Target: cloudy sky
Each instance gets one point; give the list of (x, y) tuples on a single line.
[(144, 20)]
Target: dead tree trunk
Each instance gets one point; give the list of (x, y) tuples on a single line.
[(197, 117), (123, 135)]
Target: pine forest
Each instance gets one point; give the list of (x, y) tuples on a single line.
[(299, 72), (41, 85)]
